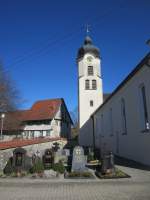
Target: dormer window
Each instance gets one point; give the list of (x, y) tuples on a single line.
[(90, 71)]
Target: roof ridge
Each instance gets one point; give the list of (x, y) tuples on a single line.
[(42, 100), (138, 66)]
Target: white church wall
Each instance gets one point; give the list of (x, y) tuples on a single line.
[(135, 144), (87, 95)]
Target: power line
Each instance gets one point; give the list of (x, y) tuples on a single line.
[(51, 42)]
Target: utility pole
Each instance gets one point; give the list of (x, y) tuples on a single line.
[(2, 123)]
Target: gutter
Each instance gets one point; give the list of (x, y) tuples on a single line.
[(93, 130)]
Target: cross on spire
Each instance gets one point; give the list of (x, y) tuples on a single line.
[(87, 29)]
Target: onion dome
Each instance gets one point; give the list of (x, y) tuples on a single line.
[(88, 47)]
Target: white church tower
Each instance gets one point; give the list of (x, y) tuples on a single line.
[(90, 94)]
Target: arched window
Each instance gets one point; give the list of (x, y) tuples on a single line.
[(94, 85), (143, 108), (90, 71), (123, 117), (87, 84)]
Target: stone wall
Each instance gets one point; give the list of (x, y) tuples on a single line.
[(37, 149)]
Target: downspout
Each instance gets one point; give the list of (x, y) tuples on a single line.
[(93, 130)]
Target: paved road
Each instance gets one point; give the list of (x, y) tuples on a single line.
[(136, 188)]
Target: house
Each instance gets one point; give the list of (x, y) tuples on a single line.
[(122, 123), (46, 118)]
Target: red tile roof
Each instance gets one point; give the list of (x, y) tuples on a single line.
[(25, 142), (41, 110), (45, 109)]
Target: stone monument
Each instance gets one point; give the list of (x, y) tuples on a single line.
[(79, 160), (108, 164)]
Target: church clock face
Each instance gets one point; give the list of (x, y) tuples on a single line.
[(89, 58)]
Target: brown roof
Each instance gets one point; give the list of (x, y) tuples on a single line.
[(45, 109), (25, 142), (41, 110), (13, 120)]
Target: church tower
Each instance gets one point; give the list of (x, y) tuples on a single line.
[(90, 94)]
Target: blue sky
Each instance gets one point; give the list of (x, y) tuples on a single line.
[(39, 40)]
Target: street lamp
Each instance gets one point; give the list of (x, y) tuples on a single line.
[(2, 123)]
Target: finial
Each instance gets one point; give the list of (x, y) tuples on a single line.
[(87, 29)]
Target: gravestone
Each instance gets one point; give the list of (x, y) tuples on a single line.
[(79, 160), (48, 158), (18, 162), (61, 155), (108, 164), (55, 146)]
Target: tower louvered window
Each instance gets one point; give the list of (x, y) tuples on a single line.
[(87, 84), (94, 84), (90, 71)]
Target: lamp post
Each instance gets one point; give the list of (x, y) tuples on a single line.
[(2, 122)]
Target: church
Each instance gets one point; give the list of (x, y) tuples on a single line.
[(119, 123)]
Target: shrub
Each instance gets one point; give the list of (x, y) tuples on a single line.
[(58, 167), (38, 167)]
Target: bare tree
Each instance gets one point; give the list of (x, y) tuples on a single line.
[(9, 95), (74, 116)]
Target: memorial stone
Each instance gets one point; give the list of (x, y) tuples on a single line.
[(78, 161)]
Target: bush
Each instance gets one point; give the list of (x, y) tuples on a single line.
[(38, 167), (58, 167)]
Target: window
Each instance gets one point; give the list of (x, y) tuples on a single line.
[(32, 134), (90, 70), (27, 134), (123, 117), (94, 85), (111, 122), (48, 133), (41, 133), (143, 109), (87, 84), (91, 103)]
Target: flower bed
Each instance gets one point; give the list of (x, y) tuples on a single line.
[(118, 174), (79, 175)]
